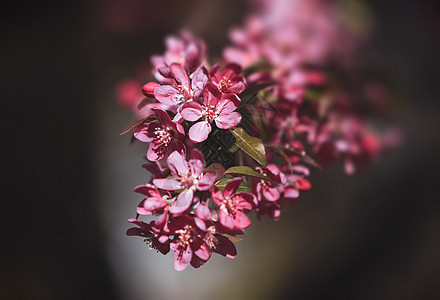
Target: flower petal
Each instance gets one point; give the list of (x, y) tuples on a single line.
[(291, 193), (156, 152), (196, 167), (226, 219), (168, 95), (271, 194), (199, 131), (182, 258), (154, 203), (167, 184), (227, 121), (231, 187), (206, 182), (241, 220), (183, 202), (203, 252), (180, 75), (199, 80), (192, 111), (211, 95), (177, 164), (217, 195), (203, 212)]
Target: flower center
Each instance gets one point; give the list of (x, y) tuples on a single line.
[(210, 113), (163, 135), (231, 205), (209, 238), (225, 83), (185, 237)]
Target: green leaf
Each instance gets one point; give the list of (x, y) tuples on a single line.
[(246, 171), (252, 146), (242, 188)]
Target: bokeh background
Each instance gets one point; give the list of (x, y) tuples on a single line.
[(67, 176)]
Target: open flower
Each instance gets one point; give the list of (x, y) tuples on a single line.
[(228, 79), (161, 135), (232, 204), (269, 190), (187, 176), (183, 88), (216, 108)]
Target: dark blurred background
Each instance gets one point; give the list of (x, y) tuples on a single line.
[(371, 236)]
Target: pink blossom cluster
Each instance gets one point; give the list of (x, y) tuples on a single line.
[(236, 136)]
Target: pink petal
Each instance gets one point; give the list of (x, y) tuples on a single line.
[(246, 200), (141, 133), (183, 202), (231, 187), (141, 210), (199, 80), (182, 259), (232, 98), (196, 167), (291, 193), (199, 132), (227, 121), (217, 196), (192, 111), (241, 220), (237, 88), (146, 190), (271, 194), (168, 95), (154, 203), (156, 152), (206, 182), (167, 184), (179, 73), (226, 219), (203, 212), (177, 164), (274, 169), (211, 95), (303, 184), (203, 252)]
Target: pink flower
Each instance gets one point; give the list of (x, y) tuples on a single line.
[(216, 108), (161, 135), (228, 79), (267, 189), (182, 89), (232, 204), (188, 176), (193, 245), (188, 245)]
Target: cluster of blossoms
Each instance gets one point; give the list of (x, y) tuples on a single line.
[(235, 137)]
